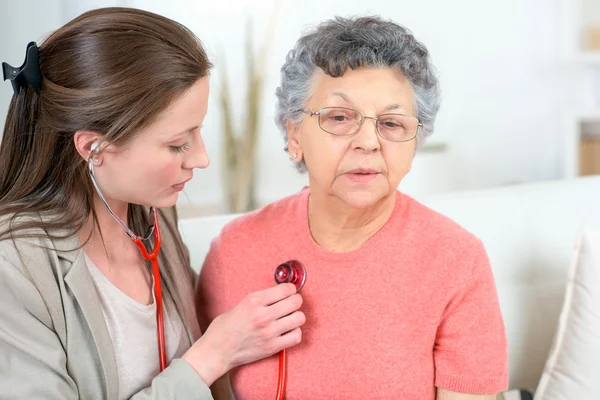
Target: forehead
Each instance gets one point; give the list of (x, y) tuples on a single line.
[(368, 88), (185, 111)]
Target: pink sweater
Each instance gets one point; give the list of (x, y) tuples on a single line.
[(414, 308)]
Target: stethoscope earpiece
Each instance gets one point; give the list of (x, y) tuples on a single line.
[(95, 146), (291, 272)]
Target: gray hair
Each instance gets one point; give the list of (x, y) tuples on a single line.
[(341, 43)]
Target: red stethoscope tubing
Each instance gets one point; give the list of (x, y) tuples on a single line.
[(160, 324), (282, 375)]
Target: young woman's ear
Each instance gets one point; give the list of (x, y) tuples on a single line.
[(83, 141)]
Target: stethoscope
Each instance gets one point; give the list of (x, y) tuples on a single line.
[(289, 272), (96, 148)]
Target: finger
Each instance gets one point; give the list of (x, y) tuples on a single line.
[(276, 293), (290, 339), (285, 306), (289, 323)]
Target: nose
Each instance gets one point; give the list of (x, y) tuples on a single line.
[(367, 138), (198, 156)]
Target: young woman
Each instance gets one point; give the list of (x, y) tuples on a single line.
[(103, 129)]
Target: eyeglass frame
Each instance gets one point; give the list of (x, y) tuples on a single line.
[(310, 113)]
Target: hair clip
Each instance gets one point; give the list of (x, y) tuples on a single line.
[(27, 74)]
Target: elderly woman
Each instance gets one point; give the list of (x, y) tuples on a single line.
[(400, 301)]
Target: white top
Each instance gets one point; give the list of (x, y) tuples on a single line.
[(132, 328)]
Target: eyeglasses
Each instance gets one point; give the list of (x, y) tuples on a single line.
[(342, 121)]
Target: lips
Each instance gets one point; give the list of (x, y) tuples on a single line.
[(182, 183), (362, 175), (363, 171), (180, 186)]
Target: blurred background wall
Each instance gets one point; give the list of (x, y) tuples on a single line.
[(520, 82)]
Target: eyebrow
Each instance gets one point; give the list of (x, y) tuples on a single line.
[(186, 132), (346, 98), (342, 95), (393, 107)]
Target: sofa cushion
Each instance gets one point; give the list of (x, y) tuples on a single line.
[(529, 231), (572, 370)]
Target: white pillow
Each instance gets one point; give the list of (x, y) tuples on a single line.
[(572, 370)]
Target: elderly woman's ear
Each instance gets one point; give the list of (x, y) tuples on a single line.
[(293, 142)]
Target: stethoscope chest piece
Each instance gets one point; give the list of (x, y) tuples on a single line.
[(291, 272)]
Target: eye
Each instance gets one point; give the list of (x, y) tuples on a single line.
[(180, 149), (391, 123), (338, 116)]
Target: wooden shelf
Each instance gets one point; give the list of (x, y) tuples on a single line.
[(580, 143), (589, 156)]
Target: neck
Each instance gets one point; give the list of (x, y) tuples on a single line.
[(338, 226), (113, 240)]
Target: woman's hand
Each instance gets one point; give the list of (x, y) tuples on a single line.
[(262, 324)]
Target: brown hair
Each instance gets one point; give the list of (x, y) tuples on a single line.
[(111, 71)]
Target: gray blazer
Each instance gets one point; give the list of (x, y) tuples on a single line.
[(54, 342)]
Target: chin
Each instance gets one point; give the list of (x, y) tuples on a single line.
[(363, 198), (162, 202), (167, 202)]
